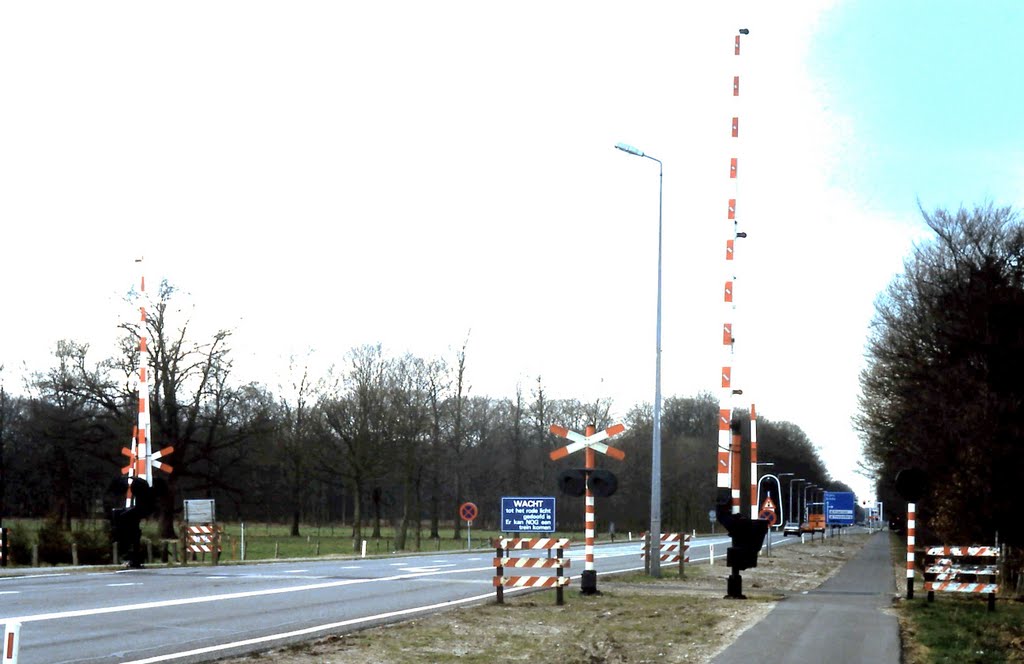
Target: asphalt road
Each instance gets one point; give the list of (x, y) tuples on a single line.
[(199, 613), (843, 620)]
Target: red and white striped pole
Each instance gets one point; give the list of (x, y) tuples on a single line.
[(911, 526), (588, 517), (142, 458), (729, 439), (753, 463)]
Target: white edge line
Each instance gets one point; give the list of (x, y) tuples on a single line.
[(217, 598), (314, 629), (344, 623)]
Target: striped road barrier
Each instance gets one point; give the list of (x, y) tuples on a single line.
[(203, 539), (503, 545), (962, 569), (673, 548)]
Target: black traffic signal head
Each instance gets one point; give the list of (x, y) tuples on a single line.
[(912, 484), (603, 483), (572, 482)]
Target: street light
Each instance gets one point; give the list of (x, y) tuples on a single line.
[(795, 479), (781, 475), (806, 489), (654, 552)]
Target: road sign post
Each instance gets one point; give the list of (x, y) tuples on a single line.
[(468, 512), (590, 443)]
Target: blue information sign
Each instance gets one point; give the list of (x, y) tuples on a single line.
[(839, 508), (528, 514)]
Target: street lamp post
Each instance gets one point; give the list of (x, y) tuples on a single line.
[(795, 479), (785, 513), (807, 488), (654, 552)]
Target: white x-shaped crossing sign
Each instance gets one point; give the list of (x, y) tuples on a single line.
[(592, 441)]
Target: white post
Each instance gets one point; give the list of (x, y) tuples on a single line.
[(711, 554), (364, 549), (242, 547), (12, 637)]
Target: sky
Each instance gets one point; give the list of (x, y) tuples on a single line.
[(317, 176)]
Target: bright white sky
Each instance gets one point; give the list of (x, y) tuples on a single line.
[(320, 175)]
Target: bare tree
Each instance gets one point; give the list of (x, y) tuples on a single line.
[(355, 420)]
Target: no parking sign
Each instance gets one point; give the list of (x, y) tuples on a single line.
[(468, 512)]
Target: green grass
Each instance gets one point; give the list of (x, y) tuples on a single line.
[(268, 541), (961, 629)]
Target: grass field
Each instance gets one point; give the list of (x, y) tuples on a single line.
[(955, 627), (267, 541)]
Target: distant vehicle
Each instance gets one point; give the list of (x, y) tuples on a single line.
[(791, 528)]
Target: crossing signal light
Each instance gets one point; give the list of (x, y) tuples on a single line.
[(603, 483), (573, 482)]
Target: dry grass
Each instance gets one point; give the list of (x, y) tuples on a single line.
[(634, 619)]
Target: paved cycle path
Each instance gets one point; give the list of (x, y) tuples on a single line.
[(842, 621)]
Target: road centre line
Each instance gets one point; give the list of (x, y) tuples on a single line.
[(321, 628), (59, 615), (317, 628)]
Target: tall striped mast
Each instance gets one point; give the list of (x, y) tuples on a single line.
[(753, 463), (142, 460), (728, 470)]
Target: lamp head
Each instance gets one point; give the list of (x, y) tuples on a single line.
[(630, 149)]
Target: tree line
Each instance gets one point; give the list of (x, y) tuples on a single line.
[(943, 392), (378, 440)]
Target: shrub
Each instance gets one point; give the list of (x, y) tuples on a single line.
[(54, 543), (19, 551), (94, 547)]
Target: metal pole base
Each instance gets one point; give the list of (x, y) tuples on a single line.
[(588, 583), (734, 586)]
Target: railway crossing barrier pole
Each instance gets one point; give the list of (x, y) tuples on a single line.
[(911, 517), (559, 596), (12, 638), (593, 484), (499, 571)]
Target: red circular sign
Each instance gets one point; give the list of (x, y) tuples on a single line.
[(769, 516), (467, 511)]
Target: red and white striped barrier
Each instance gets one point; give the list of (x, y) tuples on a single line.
[(558, 563), (672, 549), (962, 569), (515, 543), (203, 539), (12, 637)]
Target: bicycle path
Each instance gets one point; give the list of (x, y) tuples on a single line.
[(842, 621)]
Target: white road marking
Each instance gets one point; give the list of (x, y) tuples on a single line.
[(58, 615), (10, 592), (318, 628), (128, 583)]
